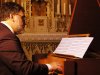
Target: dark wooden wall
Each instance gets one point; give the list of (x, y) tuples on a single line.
[(86, 17)]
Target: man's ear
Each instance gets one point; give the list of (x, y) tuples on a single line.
[(11, 16)]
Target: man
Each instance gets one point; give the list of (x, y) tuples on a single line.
[(12, 58)]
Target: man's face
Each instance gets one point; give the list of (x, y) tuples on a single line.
[(19, 22)]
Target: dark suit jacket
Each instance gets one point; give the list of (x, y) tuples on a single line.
[(12, 57)]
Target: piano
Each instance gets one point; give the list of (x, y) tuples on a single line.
[(85, 19)]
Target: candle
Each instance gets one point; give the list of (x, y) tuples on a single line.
[(58, 11), (69, 9), (58, 7), (13, 0), (64, 9), (48, 10), (5, 0)]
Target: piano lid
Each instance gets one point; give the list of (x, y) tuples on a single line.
[(85, 17)]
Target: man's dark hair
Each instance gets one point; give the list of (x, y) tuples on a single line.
[(8, 8)]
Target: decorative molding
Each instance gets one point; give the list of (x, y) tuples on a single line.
[(39, 43), (26, 37), (37, 47), (42, 47)]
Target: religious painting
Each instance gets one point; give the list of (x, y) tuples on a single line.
[(38, 8)]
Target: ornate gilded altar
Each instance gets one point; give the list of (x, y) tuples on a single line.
[(48, 22)]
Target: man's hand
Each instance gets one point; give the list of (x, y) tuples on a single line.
[(56, 68)]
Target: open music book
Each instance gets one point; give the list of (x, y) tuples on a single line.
[(74, 46)]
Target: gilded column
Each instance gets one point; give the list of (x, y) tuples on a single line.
[(28, 12)]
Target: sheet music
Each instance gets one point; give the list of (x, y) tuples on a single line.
[(75, 46)]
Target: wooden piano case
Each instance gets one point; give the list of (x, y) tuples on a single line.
[(82, 67)]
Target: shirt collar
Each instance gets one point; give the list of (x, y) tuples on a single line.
[(7, 26)]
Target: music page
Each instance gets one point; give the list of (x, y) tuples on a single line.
[(75, 46)]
